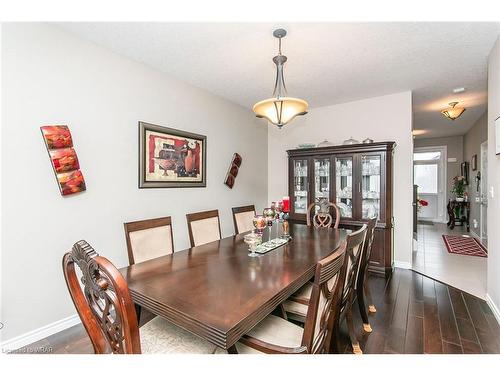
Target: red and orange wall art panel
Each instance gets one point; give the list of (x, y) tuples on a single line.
[(64, 160), (71, 182), (57, 136), (65, 163), (170, 157)]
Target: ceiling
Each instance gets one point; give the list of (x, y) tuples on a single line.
[(328, 63)]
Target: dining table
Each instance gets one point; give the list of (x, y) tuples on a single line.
[(219, 293)]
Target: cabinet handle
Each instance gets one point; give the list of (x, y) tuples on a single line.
[(359, 187)]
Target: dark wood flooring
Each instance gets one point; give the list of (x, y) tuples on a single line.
[(415, 314)]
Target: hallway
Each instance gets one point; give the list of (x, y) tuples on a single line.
[(431, 258)]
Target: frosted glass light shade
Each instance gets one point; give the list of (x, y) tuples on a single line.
[(280, 111), (453, 112)]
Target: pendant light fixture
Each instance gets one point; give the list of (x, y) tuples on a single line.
[(453, 112), (280, 109)]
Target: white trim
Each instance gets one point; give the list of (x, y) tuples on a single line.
[(475, 235), (482, 193), (403, 265), (442, 180), (39, 333), (493, 307)]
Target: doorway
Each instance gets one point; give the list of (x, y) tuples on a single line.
[(483, 194), (429, 174)]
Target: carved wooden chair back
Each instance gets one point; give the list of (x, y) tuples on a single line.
[(323, 312), (323, 219), (370, 234), (148, 239), (354, 252), (102, 301), (243, 218), (204, 227)]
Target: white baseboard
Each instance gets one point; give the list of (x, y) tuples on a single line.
[(39, 333), (404, 265), (493, 307), (475, 235)]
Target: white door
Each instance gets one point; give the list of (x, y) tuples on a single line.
[(429, 175), (484, 192)]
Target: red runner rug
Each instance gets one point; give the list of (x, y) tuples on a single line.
[(464, 245)]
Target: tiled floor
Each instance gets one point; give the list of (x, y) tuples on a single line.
[(431, 258)]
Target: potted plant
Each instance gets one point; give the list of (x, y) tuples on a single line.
[(458, 188)]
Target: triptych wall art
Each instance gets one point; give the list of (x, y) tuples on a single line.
[(233, 170), (64, 160)]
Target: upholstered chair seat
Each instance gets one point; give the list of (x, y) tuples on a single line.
[(205, 230), (158, 336), (204, 227), (296, 307), (276, 331), (149, 239), (243, 218)]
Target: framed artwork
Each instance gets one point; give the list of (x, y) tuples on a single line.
[(233, 170), (497, 136), (65, 163), (464, 171), (473, 162), (171, 158)]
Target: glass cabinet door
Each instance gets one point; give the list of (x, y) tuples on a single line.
[(370, 186), (300, 186), (343, 185), (321, 180)]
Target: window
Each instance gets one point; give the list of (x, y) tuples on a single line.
[(426, 177), (427, 156)]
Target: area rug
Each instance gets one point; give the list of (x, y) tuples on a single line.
[(464, 245)]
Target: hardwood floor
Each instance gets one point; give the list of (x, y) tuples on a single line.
[(415, 314)]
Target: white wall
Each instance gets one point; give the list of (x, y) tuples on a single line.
[(384, 118), (493, 288), (51, 77)]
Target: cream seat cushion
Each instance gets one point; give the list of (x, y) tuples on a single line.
[(244, 221), (205, 230), (296, 308), (159, 336), (151, 243), (274, 330)]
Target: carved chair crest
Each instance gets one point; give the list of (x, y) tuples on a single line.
[(102, 300), (322, 218)]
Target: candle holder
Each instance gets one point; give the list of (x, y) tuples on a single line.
[(286, 226)]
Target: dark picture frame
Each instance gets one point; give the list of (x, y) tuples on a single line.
[(171, 158), (473, 163)]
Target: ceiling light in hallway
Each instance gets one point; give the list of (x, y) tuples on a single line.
[(453, 112), (280, 109)]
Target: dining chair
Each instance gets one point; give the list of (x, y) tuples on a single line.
[(148, 239), (204, 227), (102, 300), (295, 307), (362, 286), (243, 218), (323, 219), (275, 335)]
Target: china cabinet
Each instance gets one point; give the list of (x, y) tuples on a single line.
[(358, 179)]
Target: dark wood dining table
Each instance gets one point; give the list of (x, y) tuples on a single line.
[(219, 293)]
